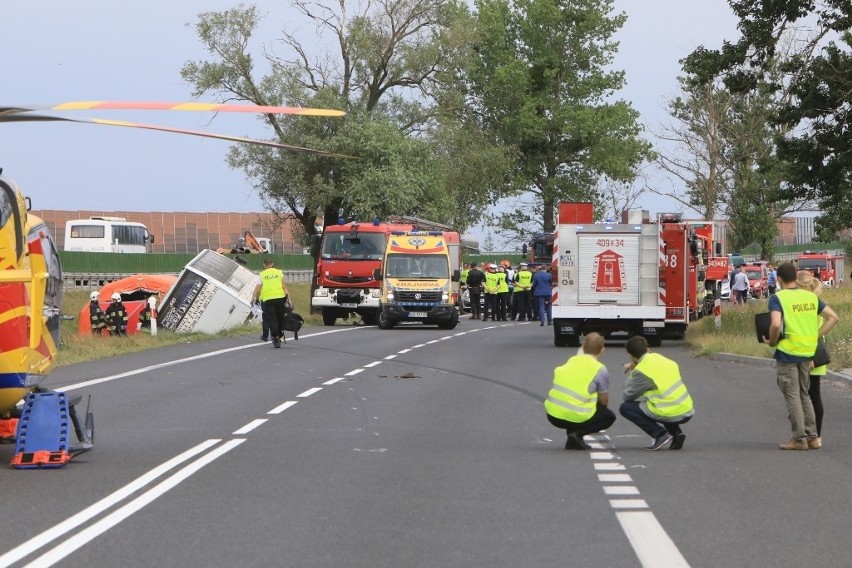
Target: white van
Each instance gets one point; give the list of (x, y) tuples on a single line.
[(106, 234)]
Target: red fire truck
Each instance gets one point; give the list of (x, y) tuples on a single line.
[(683, 269), (350, 253), (828, 267)]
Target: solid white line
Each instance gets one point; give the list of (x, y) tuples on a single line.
[(283, 407), (603, 456), (628, 504), (614, 477), (51, 534), (184, 360), (608, 466), (332, 381), (403, 351), (389, 357), (373, 364), (353, 372), (309, 392), (652, 544), (88, 534), (620, 490), (249, 427)]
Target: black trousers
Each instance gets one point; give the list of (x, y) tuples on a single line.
[(475, 299), (523, 307), (274, 311), (602, 419)]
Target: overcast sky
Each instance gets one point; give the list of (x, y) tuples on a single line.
[(57, 51)]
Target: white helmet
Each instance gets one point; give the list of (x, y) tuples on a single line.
[(116, 297), (94, 296)]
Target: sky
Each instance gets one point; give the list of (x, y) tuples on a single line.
[(57, 51)]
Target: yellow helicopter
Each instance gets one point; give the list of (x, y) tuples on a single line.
[(31, 290)]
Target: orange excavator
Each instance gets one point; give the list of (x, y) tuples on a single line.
[(248, 244)]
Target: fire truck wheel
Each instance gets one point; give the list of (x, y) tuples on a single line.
[(328, 317)]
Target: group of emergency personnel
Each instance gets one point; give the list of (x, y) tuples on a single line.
[(114, 319), (501, 292)]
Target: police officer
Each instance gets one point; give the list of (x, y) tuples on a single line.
[(491, 287), (523, 285), (655, 398), (116, 316), (502, 294), (475, 280), (97, 317), (578, 400), (276, 303)]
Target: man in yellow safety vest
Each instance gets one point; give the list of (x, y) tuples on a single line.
[(655, 398), (578, 400), (274, 299)]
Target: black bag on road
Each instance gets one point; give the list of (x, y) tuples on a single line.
[(293, 322)]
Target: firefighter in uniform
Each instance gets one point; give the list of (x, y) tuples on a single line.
[(116, 316), (274, 299), (578, 400), (523, 285), (655, 398), (97, 317)]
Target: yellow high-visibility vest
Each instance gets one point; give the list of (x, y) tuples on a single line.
[(271, 284), (801, 322), (670, 399), (569, 398)]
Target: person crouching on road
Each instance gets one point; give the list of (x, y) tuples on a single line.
[(274, 299), (578, 400), (655, 398)]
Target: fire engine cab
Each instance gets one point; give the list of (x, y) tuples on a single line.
[(828, 267)]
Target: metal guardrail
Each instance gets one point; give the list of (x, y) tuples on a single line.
[(94, 281)]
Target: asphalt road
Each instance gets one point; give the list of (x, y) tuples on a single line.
[(420, 447)]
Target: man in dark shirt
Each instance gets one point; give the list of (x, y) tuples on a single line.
[(475, 280)]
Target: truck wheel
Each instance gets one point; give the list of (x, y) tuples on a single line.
[(654, 340), (328, 317), (369, 318), (450, 323), (383, 322)]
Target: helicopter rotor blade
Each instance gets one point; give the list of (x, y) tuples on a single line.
[(187, 106), (106, 122)]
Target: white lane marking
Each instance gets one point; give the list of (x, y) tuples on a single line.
[(614, 478), (283, 407), (389, 357), (88, 534), (650, 541), (353, 372), (628, 504), (373, 364), (332, 381), (184, 360), (51, 534), (249, 427), (608, 466), (433, 341), (403, 351), (309, 392), (600, 446), (620, 490), (603, 456), (459, 334), (418, 345)]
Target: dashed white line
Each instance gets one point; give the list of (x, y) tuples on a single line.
[(608, 466), (614, 478), (249, 427), (389, 357), (373, 364), (353, 372), (620, 490), (418, 345), (309, 392), (628, 504), (603, 456), (332, 381), (403, 351), (283, 407), (650, 541)]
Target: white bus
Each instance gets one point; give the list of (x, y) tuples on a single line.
[(106, 234)]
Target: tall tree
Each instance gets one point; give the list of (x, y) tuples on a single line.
[(540, 80), (814, 140)]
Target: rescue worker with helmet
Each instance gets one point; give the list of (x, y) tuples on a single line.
[(97, 317), (578, 400), (523, 285), (116, 316), (274, 299), (655, 397)]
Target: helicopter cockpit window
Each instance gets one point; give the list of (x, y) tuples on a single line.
[(9, 214)]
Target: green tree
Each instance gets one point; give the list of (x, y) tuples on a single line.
[(382, 67), (539, 79)]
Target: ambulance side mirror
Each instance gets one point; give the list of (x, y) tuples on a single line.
[(456, 275), (377, 274)]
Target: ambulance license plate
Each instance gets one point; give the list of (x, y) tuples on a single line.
[(417, 314)]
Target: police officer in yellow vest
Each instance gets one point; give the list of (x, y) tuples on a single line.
[(272, 293), (502, 295), (578, 400), (797, 312), (523, 285), (491, 287), (655, 398)]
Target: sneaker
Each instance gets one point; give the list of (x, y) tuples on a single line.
[(815, 443), (794, 444), (576, 442), (678, 441), (662, 442)]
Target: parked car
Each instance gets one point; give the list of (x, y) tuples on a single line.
[(758, 280)]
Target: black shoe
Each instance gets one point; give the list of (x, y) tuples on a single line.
[(678, 441), (264, 338), (575, 442), (541, 324), (661, 443), (276, 343)]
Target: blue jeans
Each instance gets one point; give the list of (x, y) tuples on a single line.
[(543, 309), (654, 428)]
